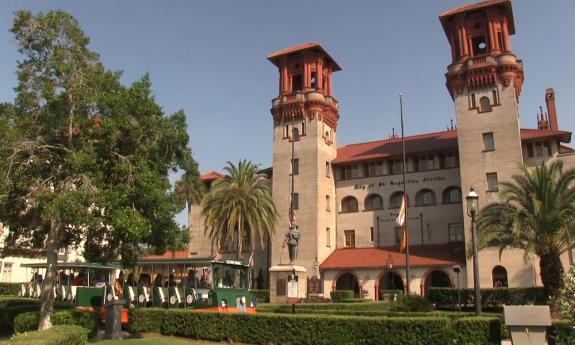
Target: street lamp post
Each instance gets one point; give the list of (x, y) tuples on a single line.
[(472, 210), (457, 269)]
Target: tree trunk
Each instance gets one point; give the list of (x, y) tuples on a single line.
[(240, 237), (190, 228), (551, 273), (47, 299)]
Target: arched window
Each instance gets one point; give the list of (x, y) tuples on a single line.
[(452, 195), (425, 197), (349, 204), (373, 202), (484, 104), (395, 200), (499, 275)]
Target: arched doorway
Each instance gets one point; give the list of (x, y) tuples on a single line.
[(347, 281), (499, 276), (390, 281), (437, 278)]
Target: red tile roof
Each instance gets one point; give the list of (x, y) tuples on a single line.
[(506, 4), (210, 176), (420, 255), (424, 143), (179, 254), (529, 134), (273, 57), (392, 147)]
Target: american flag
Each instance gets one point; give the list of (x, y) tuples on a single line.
[(401, 221), (217, 256), (291, 219)]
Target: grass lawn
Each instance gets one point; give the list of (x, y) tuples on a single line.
[(156, 340)]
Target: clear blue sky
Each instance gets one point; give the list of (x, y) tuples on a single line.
[(209, 58)]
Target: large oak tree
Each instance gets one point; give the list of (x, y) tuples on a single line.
[(87, 160)]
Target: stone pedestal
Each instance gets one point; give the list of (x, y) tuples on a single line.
[(279, 283), (114, 319)]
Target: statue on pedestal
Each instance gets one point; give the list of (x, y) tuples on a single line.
[(292, 238)]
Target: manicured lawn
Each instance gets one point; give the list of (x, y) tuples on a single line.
[(156, 340)]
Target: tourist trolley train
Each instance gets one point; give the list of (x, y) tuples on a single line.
[(199, 283)]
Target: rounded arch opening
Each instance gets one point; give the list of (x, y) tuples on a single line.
[(499, 276), (373, 202), (425, 197), (484, 104), (452, 195), (391, 280), (349, 204), (348, 281), (395, 200), (437, 278)]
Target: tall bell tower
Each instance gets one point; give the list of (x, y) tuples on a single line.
[(484, 79), (304, 105)]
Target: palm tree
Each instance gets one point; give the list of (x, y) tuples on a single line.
[(536, 214), (189, 191), (240, 206)]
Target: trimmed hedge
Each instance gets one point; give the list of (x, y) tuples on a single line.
[(491, 299), (411, 303), (9, 289), (562, 332), (88, 319), (284, 307), (57, 335), (309, 329), (477, 330), (339, 295), (262, 296), (10, 308), (290, 329)]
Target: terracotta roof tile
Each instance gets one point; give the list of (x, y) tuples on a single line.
[(392, 147), (424, 143), (179, 254), (210, 176), (420, 255), (506, 4), (565, 149), (273, 57)]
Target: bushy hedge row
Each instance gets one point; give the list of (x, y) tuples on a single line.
[(9, 289), (57, 335), (263, 296), (477, 330), (339, 295), (562, 332), (491, 299), (10, 308), (305, 329), (88, 319), (283, 307), (412, 303)]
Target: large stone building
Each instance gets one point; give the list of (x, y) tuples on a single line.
[(347, 198)]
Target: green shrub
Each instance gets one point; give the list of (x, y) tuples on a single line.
[(477, 330), (412, 303), (562, 332), (263, 296), (11, 308), (57, 335), (491, 299), (355, 300), (326, 307), (9, 289), (338, 295), (291, 329), (88, 319)]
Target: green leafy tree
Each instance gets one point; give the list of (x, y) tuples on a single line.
[(240, 206), (189, 191), (535, 214), (565, 301), (87, 164)]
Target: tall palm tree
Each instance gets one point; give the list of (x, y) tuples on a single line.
[(240, 206), (189, 191), (536, 214)]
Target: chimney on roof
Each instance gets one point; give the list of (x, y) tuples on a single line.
[(542, 122), (551, 110)]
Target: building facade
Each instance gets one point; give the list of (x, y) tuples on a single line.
[(347, 199)]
